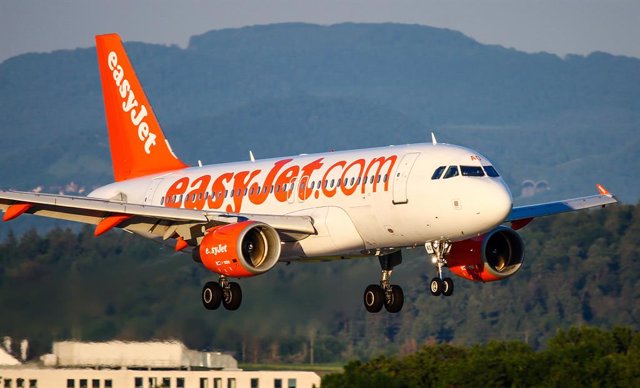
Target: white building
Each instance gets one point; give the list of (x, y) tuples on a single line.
[(143, 365)]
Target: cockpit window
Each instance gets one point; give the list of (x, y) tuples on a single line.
[(471, 171), (451, 172), (438, 172), (491, 171)]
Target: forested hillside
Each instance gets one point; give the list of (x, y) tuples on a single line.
[(578, 357), (298, 88), (580, 268)]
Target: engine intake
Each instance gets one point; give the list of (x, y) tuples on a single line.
[(494, 256), (242, 249)]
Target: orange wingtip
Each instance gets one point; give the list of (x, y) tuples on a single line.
[(602, 190)]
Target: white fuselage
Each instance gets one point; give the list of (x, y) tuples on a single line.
[(361, 201)]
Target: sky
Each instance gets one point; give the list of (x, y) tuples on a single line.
[(556, 26)]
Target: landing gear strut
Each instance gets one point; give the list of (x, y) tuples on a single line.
[(229, 294), (437, 250), (386, 294)]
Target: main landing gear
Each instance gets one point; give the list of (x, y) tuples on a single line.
[(386, 294), (229, 294), (437, 250)]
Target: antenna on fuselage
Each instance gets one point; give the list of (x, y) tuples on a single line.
[(433, 139), (199, 163), (251, 156)]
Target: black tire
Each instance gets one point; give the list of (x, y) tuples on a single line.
[(436, 286), (232, 297), (396, 301), (373, 298), (211, 295), (447, 289)]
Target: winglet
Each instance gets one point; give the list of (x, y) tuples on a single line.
[(602, 190)]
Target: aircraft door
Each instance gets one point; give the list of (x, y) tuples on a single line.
[(151, 190), (402, 177)]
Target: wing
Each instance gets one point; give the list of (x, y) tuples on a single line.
[(149, 221), (520, 216)]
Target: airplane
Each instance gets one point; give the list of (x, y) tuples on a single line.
[(240, 219)]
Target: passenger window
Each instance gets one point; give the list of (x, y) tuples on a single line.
[(491, 171), (332, 181), (352, 180), (379, 177), (451, 172), (438, 172), (385, 178), (471, 171)]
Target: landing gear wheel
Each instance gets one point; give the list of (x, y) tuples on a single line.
[(436, 286), (447, 284), (211, 295), (373, 298), (394, 299), (232, 297)]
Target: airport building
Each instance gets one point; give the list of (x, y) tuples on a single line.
[(140, 365)]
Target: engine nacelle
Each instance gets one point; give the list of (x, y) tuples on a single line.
[(493, 256), (242, 249)]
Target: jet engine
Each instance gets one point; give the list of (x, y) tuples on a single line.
[(493, 256), (237, 250)]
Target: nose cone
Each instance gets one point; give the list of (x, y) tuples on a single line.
[(491, 201)]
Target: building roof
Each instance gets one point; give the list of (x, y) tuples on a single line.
[(168, 354)]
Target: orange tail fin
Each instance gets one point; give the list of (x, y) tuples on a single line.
[(138, 146)]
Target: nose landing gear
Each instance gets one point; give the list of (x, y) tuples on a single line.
[(386, 294), (229, 294), (437, 250)]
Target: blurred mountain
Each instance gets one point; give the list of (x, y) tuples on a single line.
[(299, 88)]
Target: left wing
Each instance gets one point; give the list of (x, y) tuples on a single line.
[(520, 216), (149, 221)]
